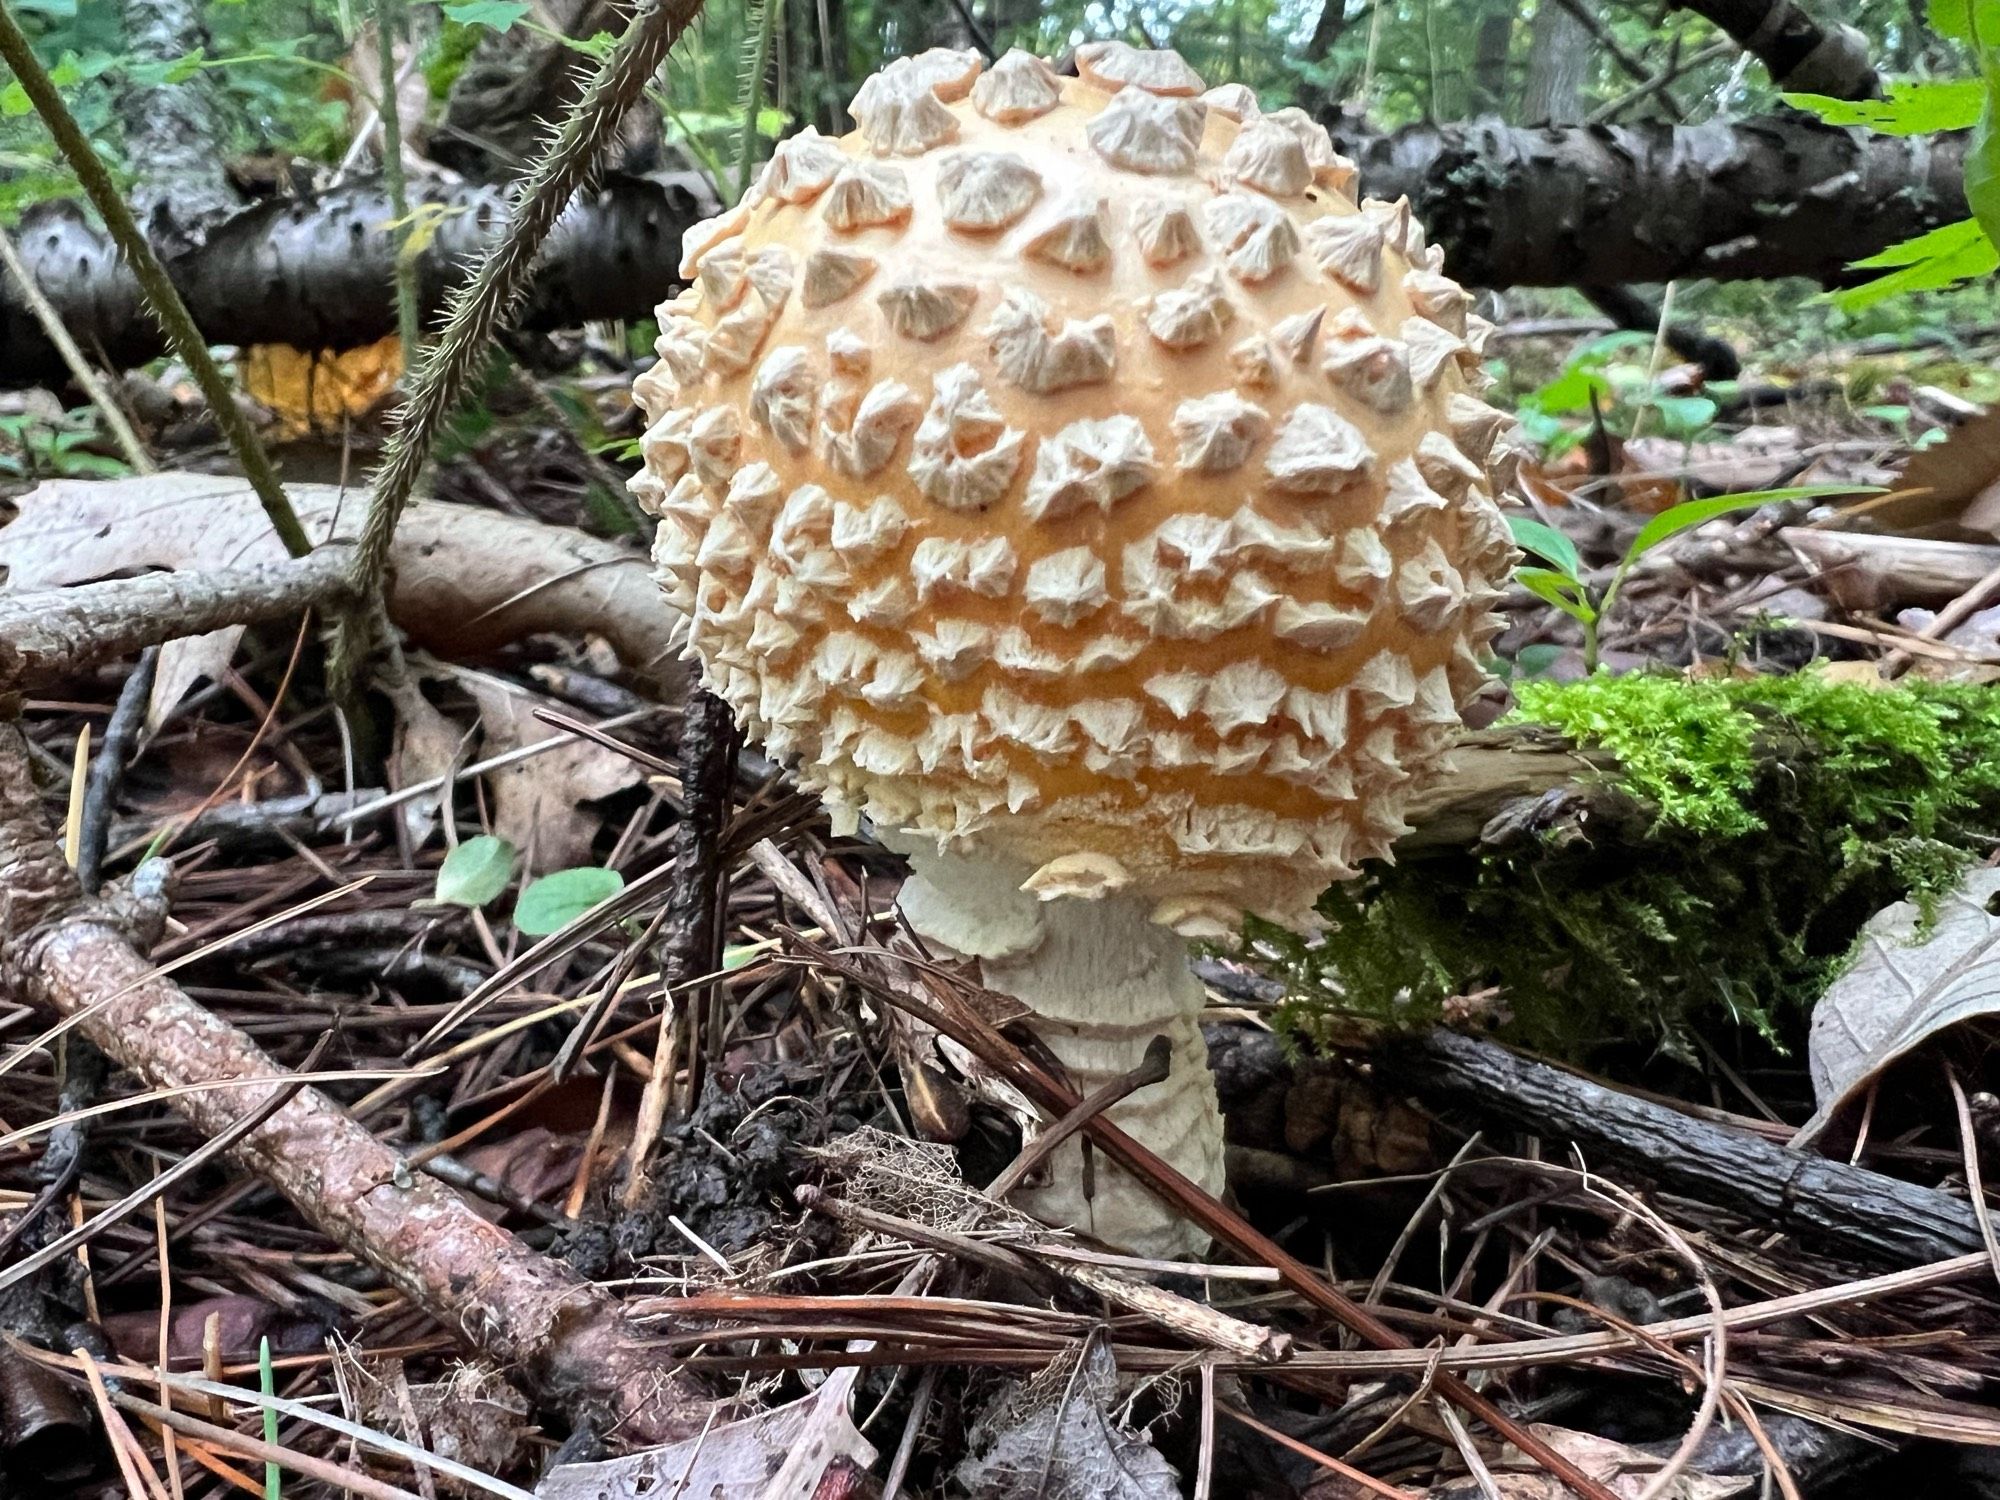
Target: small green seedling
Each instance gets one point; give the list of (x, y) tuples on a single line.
[(553, 902), (475, 872), (1562, 583), (274, 1484), (1609, 380)]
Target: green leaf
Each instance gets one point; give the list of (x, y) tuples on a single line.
[(1673, 521), (475, 872), (553, 902), (1546, 543), (501, 15), (1966, 20), (1684, 416), (1535, 660), (1982, 157), (1912, 107), (1945, 256), (1571, 391), (1564, 593), (274, 1480)]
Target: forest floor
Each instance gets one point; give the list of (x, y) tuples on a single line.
[(451, 911)]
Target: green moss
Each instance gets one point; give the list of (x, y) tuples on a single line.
[(1782, 811)]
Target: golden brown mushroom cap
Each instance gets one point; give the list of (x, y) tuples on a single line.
[(1081, 475)]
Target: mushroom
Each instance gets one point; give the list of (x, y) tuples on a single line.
[(1068, 477)]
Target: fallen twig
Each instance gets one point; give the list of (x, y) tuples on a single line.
[(566, 1336)]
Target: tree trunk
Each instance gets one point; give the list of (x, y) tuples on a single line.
[(1559, 60), (1779, 195), (173, 131), (1775, 196), (1491, 48)]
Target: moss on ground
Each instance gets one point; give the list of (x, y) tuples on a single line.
[(1783, 811)]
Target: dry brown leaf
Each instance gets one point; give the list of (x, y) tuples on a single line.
[(467, 581), (536, 802), (1906, 987), (1056, 1437), (1950, 490), (428, 747), (241, 1322), (185, 662)]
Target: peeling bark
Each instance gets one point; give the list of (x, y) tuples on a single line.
[(567, 1337), (320, 272), (173, 131), (1780, 195), (1575, 206)]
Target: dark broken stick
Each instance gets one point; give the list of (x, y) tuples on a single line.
[(565, 1336), (1828, 1202)]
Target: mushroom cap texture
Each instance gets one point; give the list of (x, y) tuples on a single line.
[(1068, 468)]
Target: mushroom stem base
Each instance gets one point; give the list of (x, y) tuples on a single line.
[(1103, 981)]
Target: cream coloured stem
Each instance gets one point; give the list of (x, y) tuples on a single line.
[(1103, 981)]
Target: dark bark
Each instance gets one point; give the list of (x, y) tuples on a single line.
[(1837, 1206), (1798, 52), (1596, 206), (319, 272), (1576, 206), (517, 88)]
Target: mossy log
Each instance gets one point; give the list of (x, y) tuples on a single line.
[(1631, 859)]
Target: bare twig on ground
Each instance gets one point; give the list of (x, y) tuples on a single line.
[(51, 634), (73, 957)]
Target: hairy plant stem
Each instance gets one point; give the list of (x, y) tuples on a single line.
[(491, 297), (182, 335), (386, 15)]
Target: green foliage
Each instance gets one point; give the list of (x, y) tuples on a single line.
[(499, 15), (32, 447), (1970, 248), (1911, 107), (274, 1483), (553, 902), (1564, 586), (1601, 381), (1779, 813), (476, 872)]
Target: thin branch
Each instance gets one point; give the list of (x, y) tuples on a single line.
[(392, 178), (50, 634), (161, 297), (566, 1336), (492, 296)]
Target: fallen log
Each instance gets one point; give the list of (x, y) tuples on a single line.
[(1558, 206), (1829, 1203)]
